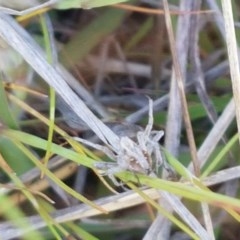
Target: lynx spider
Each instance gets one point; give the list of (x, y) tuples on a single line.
[(133, 156)]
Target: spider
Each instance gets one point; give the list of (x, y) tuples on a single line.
[(142, 155)]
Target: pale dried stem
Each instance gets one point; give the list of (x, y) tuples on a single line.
[(232, 56), (21, 41), (180, 83), (174, 125), (112, 203)]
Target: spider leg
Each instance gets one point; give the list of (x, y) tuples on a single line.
[(99, 147), (109, 170), (105, 165), (28, 10), (160, 160), (170, 170), (156, 135), (158, 156), (141, 138), (149, 126)]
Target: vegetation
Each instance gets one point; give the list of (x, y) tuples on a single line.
[(118, 122)]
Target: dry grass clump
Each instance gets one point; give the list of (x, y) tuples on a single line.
[(85, 98)]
